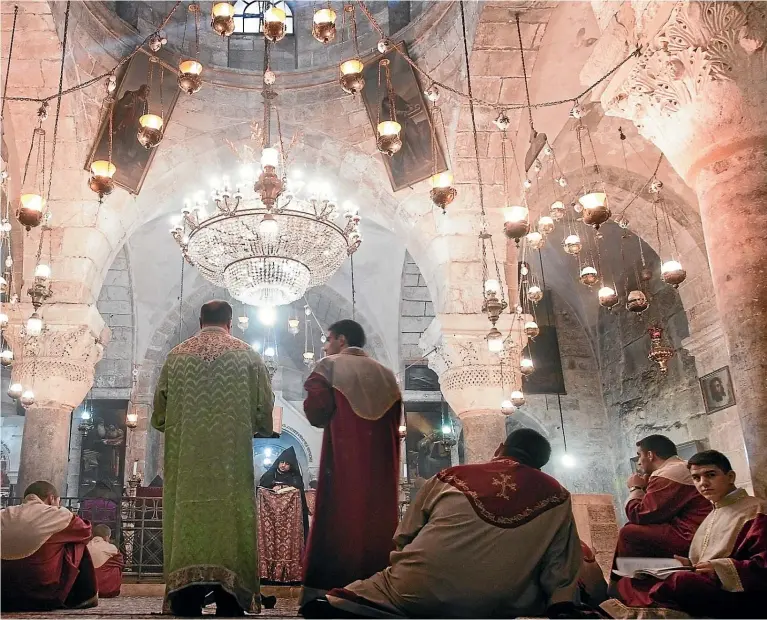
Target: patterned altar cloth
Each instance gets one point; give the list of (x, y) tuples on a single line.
[(280, 536)]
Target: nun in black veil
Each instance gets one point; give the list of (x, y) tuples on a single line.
[(285, 472)]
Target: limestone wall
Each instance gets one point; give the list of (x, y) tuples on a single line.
[(113, 373), (416, 311)]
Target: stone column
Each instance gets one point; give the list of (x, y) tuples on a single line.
[(470, 376), (58, 367), (699, 93)]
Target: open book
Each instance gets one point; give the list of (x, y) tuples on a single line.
[(659, 568)]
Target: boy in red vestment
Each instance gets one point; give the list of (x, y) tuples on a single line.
[(664, 510), (45, 562), (728, 557), (107, 560), (358, 402)]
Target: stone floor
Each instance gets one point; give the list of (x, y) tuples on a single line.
[(148, 607)]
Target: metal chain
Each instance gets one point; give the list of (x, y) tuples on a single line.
[(354, 292), (10, 55), (489, 104), (524, 75), (181, 300), (644, 187), (113, 70), (58, 101)]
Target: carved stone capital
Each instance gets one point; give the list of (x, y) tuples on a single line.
[(698, 86), (470, 376), (58, 365)]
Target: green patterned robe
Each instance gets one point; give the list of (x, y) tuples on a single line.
[(213, 395)]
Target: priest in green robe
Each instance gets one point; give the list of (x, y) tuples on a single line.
[(213, 395)]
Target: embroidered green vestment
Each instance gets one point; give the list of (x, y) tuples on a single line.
[(212, 396)]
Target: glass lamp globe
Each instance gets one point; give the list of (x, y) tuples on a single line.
[(222, 18), (572, 244), (150, 130), (27, 398), (34, 325), (446, 429), (3, 320), (531, 329), (442, 190), (274, 24), (42, 272), (607, 297), (270, 157), (568, 460), (15, 390), (269, 352), (30, 212), (494, 341), (517, 398), (324, 25), (352, 80), (492, 286), (545, 224), (672, 273), (588, 275), (268, 225), (526, 366), (557, 210), (595, 209), (507, 407), (6, 357), (535, 294), (389, 141), (516, 222), (294, 326), (535, 240)]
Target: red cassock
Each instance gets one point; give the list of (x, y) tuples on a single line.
[(664, 519), (356, 510), (110, 576), (734, 540), (59, 574)]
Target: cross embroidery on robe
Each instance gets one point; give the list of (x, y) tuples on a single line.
[(505, 483)]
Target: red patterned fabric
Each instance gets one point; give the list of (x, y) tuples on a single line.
[(504, 492), (59, 574), (110, 576), (356, 511), (280, 536), (311, 500)]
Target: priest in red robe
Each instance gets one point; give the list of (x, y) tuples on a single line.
[(664, 510), (358, 402), (45, 561), (107, 560), (728, 557)]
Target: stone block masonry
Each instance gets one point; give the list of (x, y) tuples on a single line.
[(416, 310)]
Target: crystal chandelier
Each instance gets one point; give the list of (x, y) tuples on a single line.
[(267, 256)]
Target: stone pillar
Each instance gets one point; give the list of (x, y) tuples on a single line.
[(58, 367), (470, 376), (699, 93)]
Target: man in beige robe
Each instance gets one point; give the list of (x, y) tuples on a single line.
[(486, 540)]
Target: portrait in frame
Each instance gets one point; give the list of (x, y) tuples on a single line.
[(413, 162), (717, 390), (130, 158)]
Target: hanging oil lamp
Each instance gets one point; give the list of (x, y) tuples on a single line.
[(526, 366), (672, 273), (442, 190), (636, 301), (588, 275), (534, 293), (324, 25), (389, 141), (545, 224), (274, 24), (531, 329), (607, 297), (222, 18), (103, 170), (150, 131), (190, 69), (557, 210), (572, 245), (659, 353), (351, 78), (595, 209), (516, 222), (32, 203)]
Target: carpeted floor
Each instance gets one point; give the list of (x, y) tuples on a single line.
[(149, 607)]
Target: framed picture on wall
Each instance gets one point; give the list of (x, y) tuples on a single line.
[(717, 390), (131, 159), (414, 161)]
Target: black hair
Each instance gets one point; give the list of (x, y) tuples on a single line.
[(102, 530), (660, 445), (216, 312), (351, 330), (528, 447), (41, 488), (711, 457)]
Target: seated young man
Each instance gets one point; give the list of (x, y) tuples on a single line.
[(45, 562), (107, 560), (728, 557), (664, 510), (493, 539)]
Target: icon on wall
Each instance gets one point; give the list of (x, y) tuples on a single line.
[(717, 390)]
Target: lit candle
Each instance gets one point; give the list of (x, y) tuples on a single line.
[(135, 467)]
